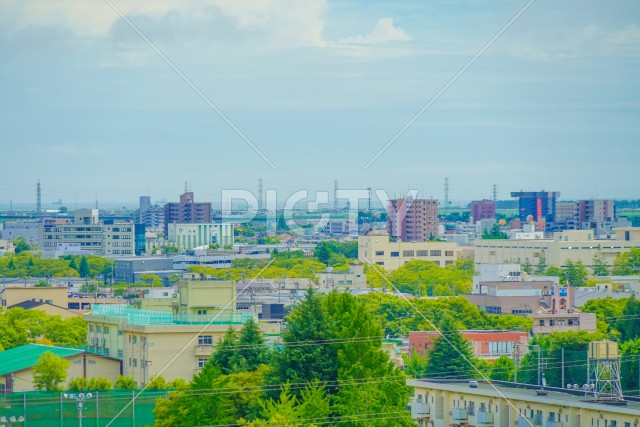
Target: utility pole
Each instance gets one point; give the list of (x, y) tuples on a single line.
[(562, 364), (335, 196)]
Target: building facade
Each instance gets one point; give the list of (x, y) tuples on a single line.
[(571, 245), (354, 278), (412, 220), (186, 211), (456, 403), (378, 249), (537, 205), (189, 236), (487, 345), (483, 209)]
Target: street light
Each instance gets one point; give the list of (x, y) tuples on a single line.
[(79, 398), (8, 421)]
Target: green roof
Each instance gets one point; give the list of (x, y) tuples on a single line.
[(26, 356)]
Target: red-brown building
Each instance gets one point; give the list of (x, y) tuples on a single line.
[(412, 220), (485, 344), (483, 209), (186, 211)]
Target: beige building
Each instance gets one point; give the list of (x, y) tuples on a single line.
[(571, 245), (6, 247), (177, 337), (16, 366), (15, 295), (376, 248), (456, 403), (354, 278), (550, 321)]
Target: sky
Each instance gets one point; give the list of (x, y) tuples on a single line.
[(93, 107)]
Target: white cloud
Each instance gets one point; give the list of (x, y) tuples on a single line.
[(383, 32)]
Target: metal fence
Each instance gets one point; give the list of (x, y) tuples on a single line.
[(52, 409)]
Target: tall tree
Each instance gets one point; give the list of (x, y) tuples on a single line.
[(83, 268), (541, 267), (628, 263), (252, 346), (527, 267), (575, 273), (628, 323), (502, 369), (225, 356), (50, 371), (599, 265), (451, 356)]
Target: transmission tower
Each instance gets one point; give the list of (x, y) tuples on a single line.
[(186, 185), (369, 199), (495, 193), (446, 193), (38, 197), (604, 371), (335, 196), (260, 191)]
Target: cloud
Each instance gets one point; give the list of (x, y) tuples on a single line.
[(383, 32)]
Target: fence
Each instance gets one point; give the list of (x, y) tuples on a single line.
[(52, 409)]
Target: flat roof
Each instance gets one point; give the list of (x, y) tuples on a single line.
[(528, 393)]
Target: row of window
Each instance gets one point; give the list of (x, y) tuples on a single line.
[(419, 253), (99, 329)]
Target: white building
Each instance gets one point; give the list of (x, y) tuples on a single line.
[(189, 236)]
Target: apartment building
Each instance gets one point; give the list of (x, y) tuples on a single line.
[(176, 340), (483, 209), (571, 245), (87, 235), (376, 248), (488, 345), (354, 278), (537, 205), (186, 211), (189, 236), (412, 220), (441, 403)]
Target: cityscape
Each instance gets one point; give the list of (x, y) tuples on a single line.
[(281, 213)]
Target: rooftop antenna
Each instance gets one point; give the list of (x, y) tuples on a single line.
[(186, 185), (96, 200), (369, 199), (38, 197), (495, 193)]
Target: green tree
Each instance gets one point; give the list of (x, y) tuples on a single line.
[(552, 270), (79, 384), (415, 365), (502, 369), (21, 245), (627, 263), (125, 383), (541, 267), (495, 233), (83, 268), (451, 356), (100, 384), (151, 280), (599, 265), (527, 267), (628, 323), (157, 383), (252, 346), (575, 273), (50, 371), (226, 356)]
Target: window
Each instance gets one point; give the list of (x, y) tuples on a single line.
[(379, 253), (135, 363), (105, 329), (395, 254), (436, 253), (120, 354), (448, 253), (408, 253), (205, 340), (541, 323), (135, 339), (201, 362), (380, 263), (202, 312), (90, 328), (99, 329)]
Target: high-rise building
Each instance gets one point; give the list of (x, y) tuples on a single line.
[(537, 204), (596, 210), (149, 215), (412, 220), (186, 211), (145, 206), (483, 209)]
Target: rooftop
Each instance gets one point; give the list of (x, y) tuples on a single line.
[(528, 393), (142, 317), (26, 356)]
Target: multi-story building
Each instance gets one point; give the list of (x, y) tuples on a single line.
[(88, 234), (150, 215), (487, 345), (565, 210), (571, 245), (128, 270), (186, 211), (412, 220), (354, 278), (483, 209), (463, 403), (28, 230), (377, 249), (595, 210), (176, 341), (537, 205), (190, 236)]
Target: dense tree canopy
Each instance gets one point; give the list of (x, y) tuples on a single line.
[(19, 327)]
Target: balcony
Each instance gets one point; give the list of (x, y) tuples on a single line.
[(525, 421), (204, 350), (485, 418), (554, 423), (419, 409), (460, 414)]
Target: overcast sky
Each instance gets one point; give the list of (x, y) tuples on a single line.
[(319, 87)]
